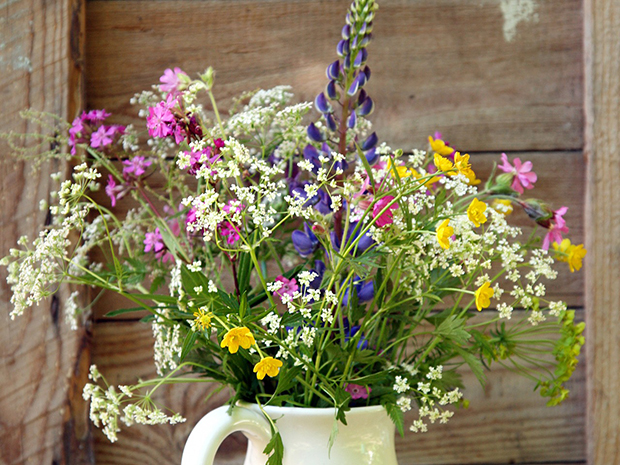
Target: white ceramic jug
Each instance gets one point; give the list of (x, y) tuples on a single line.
[(368, 438)]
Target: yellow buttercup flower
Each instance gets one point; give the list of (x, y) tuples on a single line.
[(238, 337), (503, 206), (402, 171), (483, 296), (439, 146), (461, 162), (442, 163), (202, 319), (571, 254), (475, 212), (444, 233), (268, 366)]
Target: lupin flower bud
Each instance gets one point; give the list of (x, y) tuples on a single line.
[(352, 120), (370, 142), (372, 156), (367, 68), (346, 32), (321, 103), (332, 91), (357, 83), (331, 122), (358, 59), (343, 48), (367, 107), (315, 133), (333, 70)]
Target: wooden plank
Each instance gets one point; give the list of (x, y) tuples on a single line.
[(454, 66), (557, 187), (43, 364), (506, 422), (603, 235)]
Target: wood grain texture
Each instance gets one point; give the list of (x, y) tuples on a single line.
[(43, 365), (603, 234), (437, 65), (506, 423)]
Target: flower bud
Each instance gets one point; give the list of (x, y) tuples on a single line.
[(538, 211), (321, 103), (372, 156), (332, 91), (208, 77), (352, 120), (366, 108), (333, 70), (370, 142), (331, 122), (315, 134)]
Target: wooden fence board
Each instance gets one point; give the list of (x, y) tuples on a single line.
[(42, 362), (506, 423), (603, 235), (443, 65)]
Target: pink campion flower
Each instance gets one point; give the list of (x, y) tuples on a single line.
[(190, 218), (386, 217), (95, 116), (219, 143), (170, 80), (160, 121), (230, 232), (556, 229), (357, 391), (153, 241), (135, 167), (523, 175), (102, 136), (112, 190), (289, 286)]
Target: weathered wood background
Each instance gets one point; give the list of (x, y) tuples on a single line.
[(491, 75)]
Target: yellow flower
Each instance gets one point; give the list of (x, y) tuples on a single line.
[(440, 146), (202, 319), (572, 254), (268, 366), (483, 296), (238, 337), (402, 171), (461, 162), (475, 212), (444, 233), (442, 163), (471, 177), (503, 206)]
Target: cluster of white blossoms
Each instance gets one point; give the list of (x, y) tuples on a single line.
[(106, 404)]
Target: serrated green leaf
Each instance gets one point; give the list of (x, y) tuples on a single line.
[(453, 328), (474, 364), (397, 416)]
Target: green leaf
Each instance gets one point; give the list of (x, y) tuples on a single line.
[(188, 344), (397, 416), (123, 311), (275, 447), (452, 328), (474, 363)]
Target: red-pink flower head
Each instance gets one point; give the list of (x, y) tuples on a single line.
[(289, 286), (171, 80), (556, 229), (523, 175), (357, 391), (387, 217)]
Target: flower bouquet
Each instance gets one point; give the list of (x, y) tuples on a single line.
[(296, 260)]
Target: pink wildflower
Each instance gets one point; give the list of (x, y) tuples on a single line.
[(160, 120), (136, 166), (357, 391), (190, 218), (386, 217), (153, 241), (557, 227), (230, 232), (523, 175), (102, 136), (170, 80), (289, 286), (113, 190), (95, 116)]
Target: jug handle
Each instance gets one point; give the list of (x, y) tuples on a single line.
[(212, 429)]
